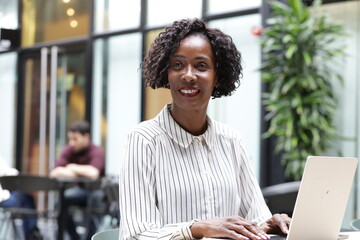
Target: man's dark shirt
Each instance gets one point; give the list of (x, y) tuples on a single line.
[(92, 155)]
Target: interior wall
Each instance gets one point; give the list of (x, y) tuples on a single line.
[(8, 83)]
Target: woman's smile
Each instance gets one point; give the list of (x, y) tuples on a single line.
[(189, 92)]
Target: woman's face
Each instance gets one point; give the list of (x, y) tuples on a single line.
[(191, 74)]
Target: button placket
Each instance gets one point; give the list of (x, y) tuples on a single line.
[(203, 171), (209, 194), (199, 142)]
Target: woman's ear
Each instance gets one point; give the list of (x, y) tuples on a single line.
[(217, 82), (216, 86)]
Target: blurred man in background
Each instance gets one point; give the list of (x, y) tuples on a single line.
[(80, 159)]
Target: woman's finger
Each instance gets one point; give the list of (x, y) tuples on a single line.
[(254, 228), (283, 221), (249, 230), (235, 235)]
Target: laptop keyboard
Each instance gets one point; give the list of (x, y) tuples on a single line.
[(278, 237)]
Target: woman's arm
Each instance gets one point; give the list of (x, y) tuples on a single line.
[(257, 210), (140, 216)]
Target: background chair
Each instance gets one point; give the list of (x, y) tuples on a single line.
[(107, 216), (281, 198), (110, 234), (26, 184), (355, 224), (111, 189)]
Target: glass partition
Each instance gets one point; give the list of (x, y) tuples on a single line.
[(242, 109), (117, 94), (54, 97), (9, 14), (46, 21), (161, 12), (113, 15), (8, 20), (8, 105), (217, 6)]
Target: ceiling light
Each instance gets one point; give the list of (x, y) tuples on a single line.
[(70, 12), (73, 23)]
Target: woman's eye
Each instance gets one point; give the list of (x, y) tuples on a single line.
[(202, 66), (177, 65)]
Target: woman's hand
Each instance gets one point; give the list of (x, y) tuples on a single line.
[(278, 224), (234, 227)]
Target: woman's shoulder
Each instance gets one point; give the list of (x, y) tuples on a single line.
[(225, 130), (148, 129), (226, 134)]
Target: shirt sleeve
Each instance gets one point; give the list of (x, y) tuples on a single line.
[(97, 159), (5, 170), (140, 217), (62, 160), (253, 206), (4, 194)]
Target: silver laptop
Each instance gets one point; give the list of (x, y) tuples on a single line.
[(322, 198)]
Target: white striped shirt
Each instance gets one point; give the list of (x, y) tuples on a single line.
[(170, 177)]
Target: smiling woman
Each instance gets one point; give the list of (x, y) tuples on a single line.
[(191, 76), (182, 166), (228, 65)]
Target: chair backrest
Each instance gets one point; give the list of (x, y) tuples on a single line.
[(112, 192), (281, 197), (110, 234), (28, 183), (111, 189), (355, 224)]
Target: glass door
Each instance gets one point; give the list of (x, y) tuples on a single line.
[(55, 89)]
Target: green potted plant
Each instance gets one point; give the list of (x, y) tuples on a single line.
[(299, 50)]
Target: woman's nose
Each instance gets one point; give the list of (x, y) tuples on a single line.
[(189, 74)]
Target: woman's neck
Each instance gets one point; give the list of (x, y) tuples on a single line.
[(194, 122)]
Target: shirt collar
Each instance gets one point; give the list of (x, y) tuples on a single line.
[(181, 136)]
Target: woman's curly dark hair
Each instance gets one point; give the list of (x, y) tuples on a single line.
[(227, 58)]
